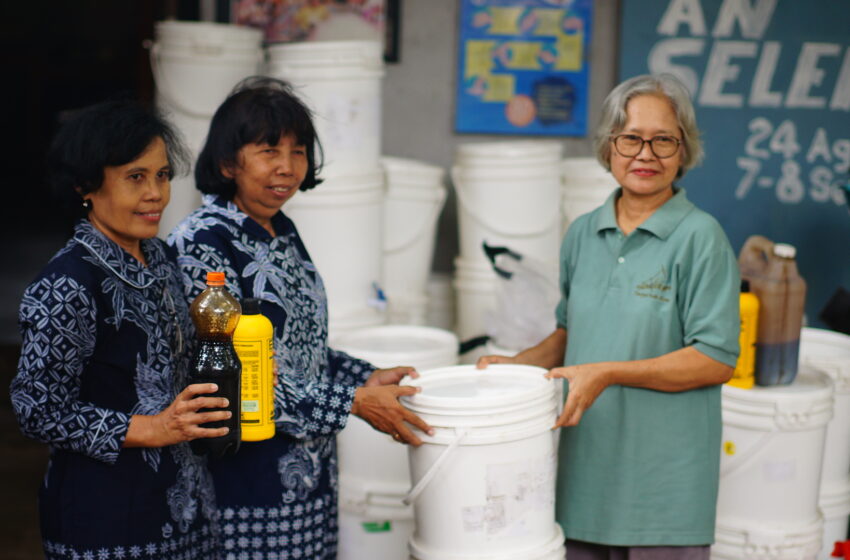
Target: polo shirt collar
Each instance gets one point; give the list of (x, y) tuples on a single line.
[(662, 222)]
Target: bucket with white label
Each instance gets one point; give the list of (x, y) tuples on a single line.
[(483, 484), (772, 452), (374, 522)]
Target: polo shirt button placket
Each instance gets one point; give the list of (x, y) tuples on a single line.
[(621, 260)]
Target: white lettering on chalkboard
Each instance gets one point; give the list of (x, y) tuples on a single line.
[(828, 163)]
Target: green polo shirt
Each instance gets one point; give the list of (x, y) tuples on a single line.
[(641, 468)]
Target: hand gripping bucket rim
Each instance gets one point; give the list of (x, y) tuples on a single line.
[(390, 345), (553, 549)]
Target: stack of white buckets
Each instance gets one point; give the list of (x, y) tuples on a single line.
[(521, 195), (509, 195), (374, 521), (195, 65), (785, 463), (341, 220), (829, 352)]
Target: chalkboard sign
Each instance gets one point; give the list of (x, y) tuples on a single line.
[(770, 80)]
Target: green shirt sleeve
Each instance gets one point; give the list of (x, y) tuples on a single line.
[(709, 304)]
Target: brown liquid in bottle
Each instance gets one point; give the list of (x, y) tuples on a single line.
[(215, 314), (772, 272)]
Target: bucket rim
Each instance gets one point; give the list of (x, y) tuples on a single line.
[(530, 376)]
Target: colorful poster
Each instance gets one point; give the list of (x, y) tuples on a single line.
[(770, 81), (522, 67)]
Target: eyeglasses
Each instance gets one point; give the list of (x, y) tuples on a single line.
[(630, 145)]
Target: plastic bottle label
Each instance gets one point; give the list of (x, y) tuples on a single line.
[(255, 356)]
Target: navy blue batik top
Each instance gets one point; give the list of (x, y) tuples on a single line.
[(102, 341), (277, 498)]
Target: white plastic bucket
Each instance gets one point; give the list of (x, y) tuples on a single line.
[(414, 199), (516, 207), (373, 536), (440, 305), (763, 542), (492, 446), (773, 440), (341, 83), (829, 352), (508, 154), (340, 223), (377, 523), (475, 292), (835, 508), (196, 64), (185, 198), (586, 186), (407, 309)]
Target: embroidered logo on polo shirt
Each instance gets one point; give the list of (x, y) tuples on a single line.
[(655, 287)]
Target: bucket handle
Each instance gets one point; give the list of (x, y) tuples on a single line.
[(460, 434), (459, 189), (417, 233)]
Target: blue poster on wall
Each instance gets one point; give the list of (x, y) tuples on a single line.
[(770, 80), (522, 67)]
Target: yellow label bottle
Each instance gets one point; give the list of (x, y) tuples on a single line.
[(744, 376), (253, 341)]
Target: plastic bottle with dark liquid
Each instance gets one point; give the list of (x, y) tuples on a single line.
[(772, 272), (215, 314)]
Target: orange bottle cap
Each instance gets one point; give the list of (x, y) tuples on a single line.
[(215, 278)]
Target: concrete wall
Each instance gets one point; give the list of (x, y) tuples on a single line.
[(419, 94)]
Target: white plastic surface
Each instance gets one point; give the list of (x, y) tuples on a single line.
[(772, 451)]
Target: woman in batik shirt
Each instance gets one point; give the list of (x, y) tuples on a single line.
[(277, 498), (103, 362)]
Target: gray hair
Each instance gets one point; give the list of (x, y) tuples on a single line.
[(614, 116)]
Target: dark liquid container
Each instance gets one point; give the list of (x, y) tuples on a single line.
[(215, 314), (771, 270)]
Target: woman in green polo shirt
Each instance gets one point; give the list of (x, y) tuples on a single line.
[(647, 333)]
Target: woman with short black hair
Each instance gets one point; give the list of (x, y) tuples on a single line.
[(278, 498), (104, 360)]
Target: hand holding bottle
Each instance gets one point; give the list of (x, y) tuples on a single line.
[(181, 420)]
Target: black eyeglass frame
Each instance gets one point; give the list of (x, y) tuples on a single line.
[(645, 141)]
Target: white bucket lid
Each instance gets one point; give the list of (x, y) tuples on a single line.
[(401, 345), (207, 33), (510, 152), (751, 539), (309, 55), (803, 405), (465, 390), (828, 351)]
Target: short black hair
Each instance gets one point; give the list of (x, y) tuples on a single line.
[(107, 134), (258, 110)]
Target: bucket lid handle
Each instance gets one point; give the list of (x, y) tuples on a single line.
[(460, 434)]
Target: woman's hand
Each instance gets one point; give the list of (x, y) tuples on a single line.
[(379, 406), (391, 376), (586, 383), (485, 361), (180, 421)]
